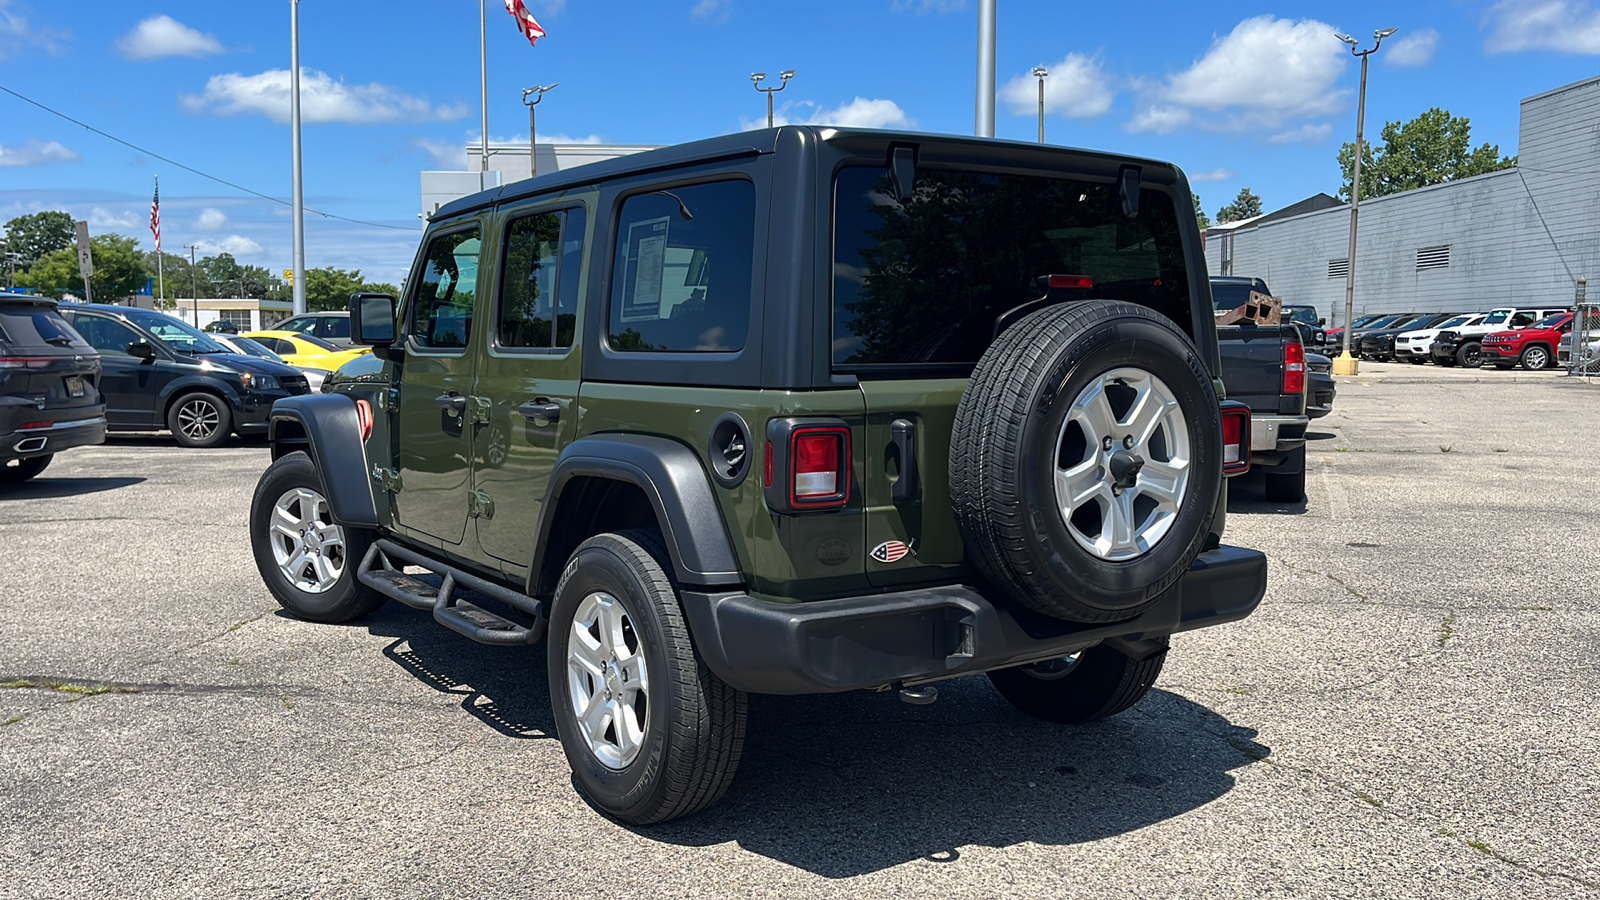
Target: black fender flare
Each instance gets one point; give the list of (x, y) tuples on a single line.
[(679, 490), (330, 431)]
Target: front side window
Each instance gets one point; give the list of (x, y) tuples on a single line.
[(1521, 319), (441, 302), (682, 268), (539, 291), (108, 336), (925, 282), (301, 323)]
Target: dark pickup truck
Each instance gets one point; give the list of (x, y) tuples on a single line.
[(1264, 367)]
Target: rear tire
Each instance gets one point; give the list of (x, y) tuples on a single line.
[(200, 419), (23, 469), (1100, 682), (290, 502), (618, 642)]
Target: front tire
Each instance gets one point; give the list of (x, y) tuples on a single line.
[(1535, 358), (650, 731), (308, 562), (24, 469), (200, 419), (1095, 684), (1470, 355)]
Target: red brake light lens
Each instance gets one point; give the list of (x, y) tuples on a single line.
[(1071, 282), (1235, 440), (820, 462), (1294, 368)]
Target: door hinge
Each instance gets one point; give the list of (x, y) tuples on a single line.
[(388, 479), (479, 505), (482, 408), (389, 400)]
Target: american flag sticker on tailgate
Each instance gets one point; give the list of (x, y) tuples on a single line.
[(890, 551)]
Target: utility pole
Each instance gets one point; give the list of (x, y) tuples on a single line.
[(986, 50), (757, 77), (1040, 72), (194, 285), (298, 173), (533, 147), (483, 74), (1347, 364)]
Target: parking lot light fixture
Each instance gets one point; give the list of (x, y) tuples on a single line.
[(537, 92), (757, 77), (1347, 364), (1040, 72)]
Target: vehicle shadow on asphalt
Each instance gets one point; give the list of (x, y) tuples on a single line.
[(846, 784), (1248, 494), (46, 488)]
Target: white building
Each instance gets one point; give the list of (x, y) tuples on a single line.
[(508, 163), (1521, 235), (246, 314)]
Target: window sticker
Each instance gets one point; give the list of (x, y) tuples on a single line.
[(647, 253)]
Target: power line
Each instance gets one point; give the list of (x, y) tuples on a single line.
[(173, 162)]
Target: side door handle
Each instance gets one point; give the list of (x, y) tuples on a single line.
[(903, 434), (452, 403), (540, 411)]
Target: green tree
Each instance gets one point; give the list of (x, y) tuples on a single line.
[(1200, 214), (119, 270), (1433, 148), (381, 287), (1245, 206), (330, 288), (34, 236)]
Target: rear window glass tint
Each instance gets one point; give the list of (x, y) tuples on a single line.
[(338, 327), (924, 282), (35, 326)]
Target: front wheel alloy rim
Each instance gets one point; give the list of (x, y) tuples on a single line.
[(1537, 358), (608, 683), (198, 419), (309, 548), (1122, 464)]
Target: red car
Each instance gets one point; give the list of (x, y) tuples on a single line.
[(1533, 346)]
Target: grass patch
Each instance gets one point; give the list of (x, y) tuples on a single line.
[(12, 721), (67, 687), (1445, 832), (1237, 690), (1447, 629), (1370, 800)]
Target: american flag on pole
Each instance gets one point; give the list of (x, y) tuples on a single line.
[(525, 21), (155, 216)]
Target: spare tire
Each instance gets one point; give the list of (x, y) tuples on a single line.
[(1085, 461)]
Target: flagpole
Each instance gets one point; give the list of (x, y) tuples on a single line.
[(299, 286), (483, 72), (161, 274)]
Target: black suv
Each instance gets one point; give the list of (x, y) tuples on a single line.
[(49, 400), (795, 411), (158, 371)]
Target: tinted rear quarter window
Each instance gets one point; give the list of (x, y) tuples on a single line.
[(26, 325), (925, 281)]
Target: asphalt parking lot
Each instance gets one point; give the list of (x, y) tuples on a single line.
[(1410, 713)]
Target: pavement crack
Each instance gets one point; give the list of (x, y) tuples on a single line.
[(422, 764), (212, 638)]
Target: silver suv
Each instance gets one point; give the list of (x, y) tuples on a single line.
[(333, 326)]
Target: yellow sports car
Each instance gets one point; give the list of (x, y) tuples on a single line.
[(305, 351)]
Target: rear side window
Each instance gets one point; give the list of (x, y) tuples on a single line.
[(539, 291), (37, 326), (924, 282), (303, 323), (337, 326), (681, 272), (441, 303)]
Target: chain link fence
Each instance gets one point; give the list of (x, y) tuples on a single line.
[(1580, 349)]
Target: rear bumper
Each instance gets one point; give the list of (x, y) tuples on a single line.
[(1273, 438), (61, 436), (916, 636)]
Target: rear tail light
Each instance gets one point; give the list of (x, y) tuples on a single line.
[(1235, 438), (819, 460), (1294, 368), (1071, 282), (27, 362)]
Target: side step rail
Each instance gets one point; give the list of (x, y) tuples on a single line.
[(465, 618)]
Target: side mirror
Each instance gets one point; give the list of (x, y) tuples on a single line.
[(372, 319), (1322, 323), (142, 349)]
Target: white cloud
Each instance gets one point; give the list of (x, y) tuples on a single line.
[(35, 152), (1159, 119), (211, 219), (322, 99), (160, 36), (1076, 87), (447, 156), (235, 244), (1264, 74), (1310, 133), (18, 34), (1565, 26), (858, 113), (712, 10), (102, 219), (1212, 175), (927, 6), (1412, 50)]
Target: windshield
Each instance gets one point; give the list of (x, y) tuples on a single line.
[(1453, 322), (176, 333), (252, 348), (1385, 322), (1498, 317), (1551, 321), (1304, 314), (1364, 321)]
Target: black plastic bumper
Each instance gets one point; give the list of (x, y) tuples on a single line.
[(827, 646), (61, 436)]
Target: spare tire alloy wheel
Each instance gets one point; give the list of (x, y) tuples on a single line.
[(1085, 462), (1121, 479)]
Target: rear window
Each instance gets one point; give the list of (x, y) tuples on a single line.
[(923, 283), (1552, 320), (317, 342), (37, 326)]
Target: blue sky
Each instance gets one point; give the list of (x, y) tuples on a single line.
[(1239, 95)]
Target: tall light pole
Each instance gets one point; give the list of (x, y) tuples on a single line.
[(757, 77), (1347, 364), (986, 42), (194, 286), (1040, 72), (533, 148), (297, 174)]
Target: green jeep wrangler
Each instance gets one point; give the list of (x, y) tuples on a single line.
[(793, 411)]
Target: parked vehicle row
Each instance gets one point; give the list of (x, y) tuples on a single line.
[(1503, 337)]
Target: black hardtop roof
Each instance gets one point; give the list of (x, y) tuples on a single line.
[(9, 297), (752, 143)]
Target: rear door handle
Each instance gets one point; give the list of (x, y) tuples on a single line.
[(540, 411), (903, 434), (451, 402)]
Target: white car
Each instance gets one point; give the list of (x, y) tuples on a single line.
[(1413, 345)]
